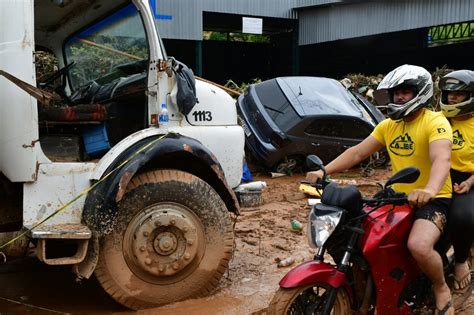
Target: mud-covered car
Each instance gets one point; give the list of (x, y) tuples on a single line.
[(287, 118)]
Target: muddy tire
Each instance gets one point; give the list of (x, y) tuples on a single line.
[(307, 300), (172, 240), (289, 165)]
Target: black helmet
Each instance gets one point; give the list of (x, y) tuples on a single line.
[(406, 76), (462, 81)]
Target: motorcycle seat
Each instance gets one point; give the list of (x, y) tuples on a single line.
[(347, 197)]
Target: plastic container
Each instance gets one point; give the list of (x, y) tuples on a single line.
[(258, 185), (95, 139), (163, 118), (250, 198), (286, 262), (296, 225)]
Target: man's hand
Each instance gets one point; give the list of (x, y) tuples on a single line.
[(462, 188), (313, 177), (420, 197)]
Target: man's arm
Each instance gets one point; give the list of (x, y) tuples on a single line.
[(440, 157), (349, 158)]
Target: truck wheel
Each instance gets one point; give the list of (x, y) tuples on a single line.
[(172, 240)]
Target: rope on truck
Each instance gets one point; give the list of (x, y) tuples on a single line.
[(83, 193)]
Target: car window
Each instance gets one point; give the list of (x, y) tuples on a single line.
[(276, 105), (103, 48), (339, 128)]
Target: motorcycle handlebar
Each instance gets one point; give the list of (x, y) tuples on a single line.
[(399, 200)]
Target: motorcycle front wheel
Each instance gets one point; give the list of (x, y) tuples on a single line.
[(308, 300)]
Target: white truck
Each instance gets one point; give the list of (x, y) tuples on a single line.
[(156, 227)]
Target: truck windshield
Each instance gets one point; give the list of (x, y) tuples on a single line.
[(111, 48)]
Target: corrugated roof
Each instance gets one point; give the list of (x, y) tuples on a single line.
[(312, 3), (317, 25)]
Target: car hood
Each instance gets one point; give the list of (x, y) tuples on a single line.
[(319, 96)]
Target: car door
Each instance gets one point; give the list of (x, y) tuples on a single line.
[(330, 136)]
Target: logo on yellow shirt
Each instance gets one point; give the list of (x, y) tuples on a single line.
[(402, 145), (458, 140)]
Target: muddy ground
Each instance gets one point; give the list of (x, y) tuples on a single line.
[(263, 236)]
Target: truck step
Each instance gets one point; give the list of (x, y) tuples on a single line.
[(61, 231)]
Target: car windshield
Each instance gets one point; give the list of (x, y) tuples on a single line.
[(322, 96), (102, 48)]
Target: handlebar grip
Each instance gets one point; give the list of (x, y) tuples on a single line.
[(393, 200)]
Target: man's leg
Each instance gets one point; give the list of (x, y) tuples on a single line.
[(423, 236)]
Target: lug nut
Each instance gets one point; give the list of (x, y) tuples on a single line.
[(185, 229), (190, 242), (173, 222), (187, 256), (157, 223), (161, 268), (146, 233), (142, 248), (147, 261), (175, 266)]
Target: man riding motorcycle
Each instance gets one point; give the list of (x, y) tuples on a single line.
[(413, 136)]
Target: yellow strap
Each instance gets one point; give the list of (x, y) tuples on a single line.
[(84, 192), (33, 306)]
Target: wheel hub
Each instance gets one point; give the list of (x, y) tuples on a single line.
[(165, 243), (162, 241)]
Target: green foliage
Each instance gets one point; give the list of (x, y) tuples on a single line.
[(242, 88), (45, 65), (445, 34), (94, 62), (236, 37), (365, 85)]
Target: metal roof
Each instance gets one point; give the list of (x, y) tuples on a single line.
[(323, 24), (313, 3)]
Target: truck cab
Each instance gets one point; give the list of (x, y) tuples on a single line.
[(94, 174)]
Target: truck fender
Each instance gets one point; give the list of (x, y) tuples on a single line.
[(312, 272), (101, 203)]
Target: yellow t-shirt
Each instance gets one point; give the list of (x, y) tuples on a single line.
[(408, 145), (462, 156)]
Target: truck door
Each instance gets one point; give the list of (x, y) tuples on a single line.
[(18, 111)]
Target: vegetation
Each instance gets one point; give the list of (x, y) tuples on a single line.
[(242, 88), (236, 37), (45, 64), (95, 61), (451, 33), (365, 85)]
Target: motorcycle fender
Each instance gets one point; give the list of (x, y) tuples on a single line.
[(312, 272)]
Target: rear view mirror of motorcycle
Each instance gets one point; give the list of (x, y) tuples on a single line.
[(407, 175), (314, 163)]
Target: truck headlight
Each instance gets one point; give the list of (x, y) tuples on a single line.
[(321, 224)]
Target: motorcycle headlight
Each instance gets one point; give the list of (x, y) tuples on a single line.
[(321, 224)]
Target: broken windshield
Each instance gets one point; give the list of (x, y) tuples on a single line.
[(111, 48)]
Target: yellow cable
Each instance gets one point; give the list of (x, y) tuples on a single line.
[(83, 192)]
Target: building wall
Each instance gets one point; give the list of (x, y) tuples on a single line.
[(319, 20), (183, 19), (358, 19)]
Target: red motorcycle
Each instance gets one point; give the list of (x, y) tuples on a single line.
[(367, 238)]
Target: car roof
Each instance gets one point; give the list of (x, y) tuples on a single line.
[(319, 96)]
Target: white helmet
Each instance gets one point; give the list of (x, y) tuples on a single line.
[(463, 81), (406, 76)]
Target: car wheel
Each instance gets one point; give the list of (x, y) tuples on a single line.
[(289, 165)]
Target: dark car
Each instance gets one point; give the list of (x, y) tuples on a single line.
[(287, 118)]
